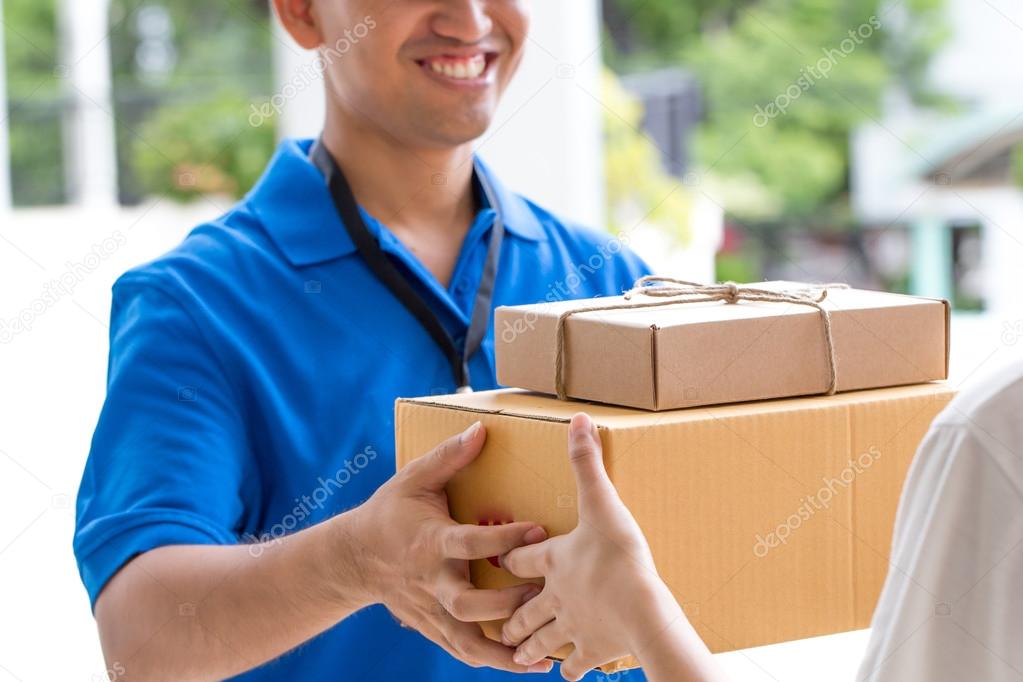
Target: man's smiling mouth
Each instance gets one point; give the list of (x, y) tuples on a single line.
[(466, 68)]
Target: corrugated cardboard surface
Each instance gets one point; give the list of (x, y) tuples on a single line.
[(705, 484), (695, 354)]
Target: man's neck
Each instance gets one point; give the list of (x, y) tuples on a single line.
[(424, 190)]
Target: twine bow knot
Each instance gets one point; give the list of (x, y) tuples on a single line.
[(671, 291)]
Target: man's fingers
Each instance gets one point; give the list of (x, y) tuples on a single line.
[(529, 618), (545, 642), (471, 605), (462, 541), (531, 561), (434, 469), (469, 645), (587, 458)]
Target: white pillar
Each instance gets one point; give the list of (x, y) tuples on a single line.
[(5, 148), (1002, 239), (90, 148), (547, 141), (298, 85)]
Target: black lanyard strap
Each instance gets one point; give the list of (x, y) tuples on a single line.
[(385, 270)]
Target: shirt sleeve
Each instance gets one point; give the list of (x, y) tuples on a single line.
[(168, 455), (950, 607)]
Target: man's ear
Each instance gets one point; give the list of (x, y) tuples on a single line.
[(300, 22)]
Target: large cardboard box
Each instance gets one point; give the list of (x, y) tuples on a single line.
[(691, 354), (770, 521)]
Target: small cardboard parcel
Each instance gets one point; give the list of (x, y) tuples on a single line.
[(668, 353), (770, 521)]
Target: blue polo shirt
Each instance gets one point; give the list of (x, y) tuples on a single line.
[(251, 385)]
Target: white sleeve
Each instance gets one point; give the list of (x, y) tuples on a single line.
[(952, 606)]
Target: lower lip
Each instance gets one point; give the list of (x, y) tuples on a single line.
[(484, 80)]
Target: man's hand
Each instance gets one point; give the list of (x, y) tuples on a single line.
[(415, 557), (602, 592), (245, 608)]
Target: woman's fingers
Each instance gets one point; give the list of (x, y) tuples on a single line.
[(576, 666), (530, 561), (587, 458), (529, 618), (543, 643)]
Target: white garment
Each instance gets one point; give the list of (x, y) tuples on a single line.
[(952, 607)]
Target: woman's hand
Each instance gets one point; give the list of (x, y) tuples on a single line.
[(602, 592)]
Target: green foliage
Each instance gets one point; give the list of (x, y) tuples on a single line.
[(186, 132), (637, 187), (752, 54), (216, 44), (207, 147), (191, 119), (655, 31), (30, 41), (34, 102), (736, 267)]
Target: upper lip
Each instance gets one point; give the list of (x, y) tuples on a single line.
[(459, 52)]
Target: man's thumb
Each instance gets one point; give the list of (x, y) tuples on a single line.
[(436, 468)]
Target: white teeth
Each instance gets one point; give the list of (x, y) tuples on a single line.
[(459, 69), (476, 67)]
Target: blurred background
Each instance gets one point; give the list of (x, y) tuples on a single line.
[(878, 143)]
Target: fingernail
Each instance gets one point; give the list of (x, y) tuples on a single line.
[(529, 594), (470, 433), (580, 424), (543, 667), (520, 657), (504, 639), (534, 535)]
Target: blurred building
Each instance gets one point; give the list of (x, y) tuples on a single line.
[(672, 109), (546, 141), (942, 194)]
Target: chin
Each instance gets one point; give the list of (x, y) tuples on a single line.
[(452, 131)]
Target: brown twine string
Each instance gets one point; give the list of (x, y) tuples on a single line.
[(678, 291)]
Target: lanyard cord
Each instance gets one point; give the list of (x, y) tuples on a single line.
[(391, 277)]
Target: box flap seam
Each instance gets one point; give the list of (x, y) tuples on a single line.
[(655, 378), (482, 410)]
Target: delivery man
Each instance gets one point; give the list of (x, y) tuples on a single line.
[(238, 514)]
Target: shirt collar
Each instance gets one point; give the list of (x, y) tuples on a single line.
[(292, 201)]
